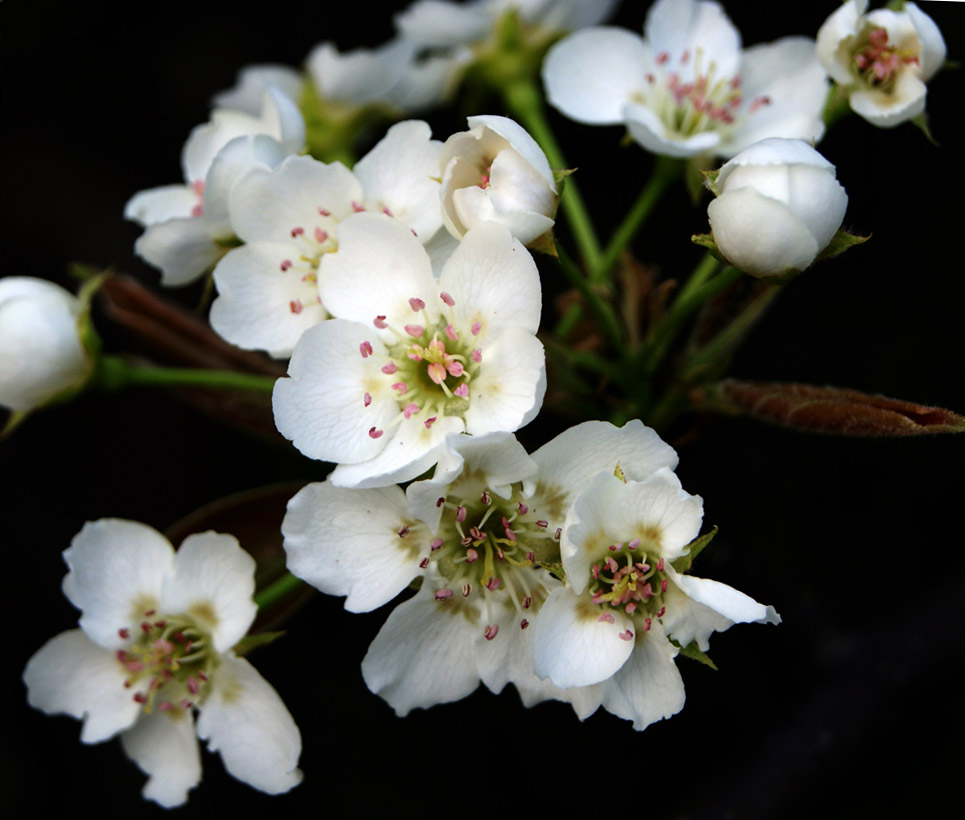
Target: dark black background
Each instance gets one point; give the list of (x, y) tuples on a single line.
[(851, 707)]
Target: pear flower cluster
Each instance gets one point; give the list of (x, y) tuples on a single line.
[(554, 572)]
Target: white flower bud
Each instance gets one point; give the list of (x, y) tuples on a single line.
[(495, 172), (779, 207), (41, 353)]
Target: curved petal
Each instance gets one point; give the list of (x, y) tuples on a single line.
[(648, 687), (521, 141), (117, 571), (72, 675), (164, 747), (510, 383), (245, 720), (834, 37), (575, 455), (649, 130), (424, 654), (400, 176), (735, 220), (248, 92), (182, 249), (213, 581), (680, 27), (592, 74), (436, 23), (574, 643), (161, 204), (378, 267), (348, 542), (906, 100), (321, 406), (932, 43), (260, 305), (494, 281)]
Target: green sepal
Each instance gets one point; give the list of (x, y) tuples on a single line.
[(14, 420), (921, 122), (545, 243), (839, 243), (694, 652), (249, 642), (560, 174), (694, 548), (895, 5), (710, 180), (706, 240), (554, 568)]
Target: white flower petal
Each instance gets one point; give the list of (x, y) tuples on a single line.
[(346, 542), (572, 646), (182, 249), (509, 386), (591, 75), (398, 175), (320, 408), (735, 220), (70, 674), (248, 92), (267, 205), (117, 570), (436, 23), (245, 720), (378, 267), (424, 654), (259, 306), (164, 747), (906, 100), (520, 140), (213, 581), (648, 687), (932, 43), (494, 281), (569, 461), (161, 204), (679, 26), (649, 130), (359, 76), (832, 47)]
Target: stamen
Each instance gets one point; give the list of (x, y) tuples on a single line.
[(380, 323), (442, 594), (415, 331), (373, 433), (416, 304), (447, 299), (491, 631), (389, 368), (367, 399), (365, 349)]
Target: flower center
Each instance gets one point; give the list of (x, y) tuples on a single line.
[(876, 62), (429, 366), (688, 107), (489, 551), (174, 656), (633, 577), (308, 246)]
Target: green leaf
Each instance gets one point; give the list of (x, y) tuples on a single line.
[(249, 642), (694, 652), (839, 243), (694, 548)]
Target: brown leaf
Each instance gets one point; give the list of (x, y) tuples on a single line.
[(835, 410)]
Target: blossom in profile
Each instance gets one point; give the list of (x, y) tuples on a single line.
[(187, 226), (154, 647), (788, 188), (882, 59), (687, 88), (268, 289), (410, 358), (480, 539), (496, 172), (626, 611), (42, 355)]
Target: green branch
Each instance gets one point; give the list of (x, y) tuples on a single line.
[(113, 373)]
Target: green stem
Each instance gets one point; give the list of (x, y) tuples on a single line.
[(684, 305), (524, 100), (609, 322), (703, 271), (666, 170), (113, 373), (277, 590)]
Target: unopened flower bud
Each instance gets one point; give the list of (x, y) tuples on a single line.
[(779, 206), (495, 172), (41, 352)]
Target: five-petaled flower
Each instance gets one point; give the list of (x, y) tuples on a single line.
[(687, 89), (157, 628)]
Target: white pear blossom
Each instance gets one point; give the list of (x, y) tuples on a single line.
[(410, 358), (187, 226), (477, 538), (613, 625), (687, 88), (41, 352), (779, 207), (882, 59), (154, 646), (437, 23), (496, 172), (268, 292), (248, 92)]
